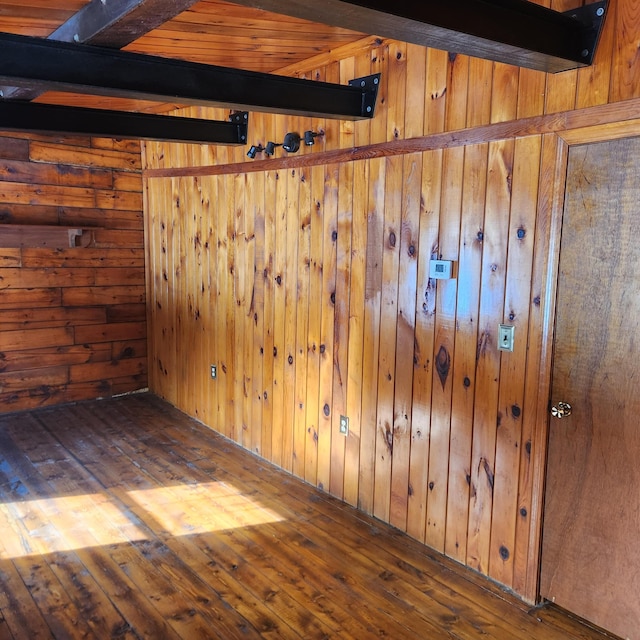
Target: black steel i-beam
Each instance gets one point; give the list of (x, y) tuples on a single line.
[(78, 68), (44, 118), (512, 31)]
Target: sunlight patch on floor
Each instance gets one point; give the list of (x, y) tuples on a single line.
[(201, 508), (48, 525)]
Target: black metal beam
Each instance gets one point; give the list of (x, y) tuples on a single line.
[(44, 118), (48, 65), (512, 31), (112, 24)]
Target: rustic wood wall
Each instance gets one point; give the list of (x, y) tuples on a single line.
[(305, 280), (72, 320)]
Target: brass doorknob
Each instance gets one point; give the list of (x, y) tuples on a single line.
[(561, 410)]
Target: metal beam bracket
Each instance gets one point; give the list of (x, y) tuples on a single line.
[(369, 86), (591, 17), (241, 119)]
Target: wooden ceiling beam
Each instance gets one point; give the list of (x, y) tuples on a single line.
[(510, 31), (111, 23), (117, 23)]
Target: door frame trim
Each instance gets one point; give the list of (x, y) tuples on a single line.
[(551, 195)]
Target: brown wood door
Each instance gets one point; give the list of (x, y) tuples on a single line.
[(591, 540)]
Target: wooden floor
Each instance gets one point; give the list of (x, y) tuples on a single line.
[(125, 519)]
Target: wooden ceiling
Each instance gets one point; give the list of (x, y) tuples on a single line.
[(211, 32)]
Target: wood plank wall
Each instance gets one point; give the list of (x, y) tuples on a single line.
[(72, 320), (307, 285)]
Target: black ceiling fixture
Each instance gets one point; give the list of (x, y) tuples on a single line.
[(253, 149), (291, 142), (310, 137), (270, 149), (46, 118), (48, 65), (511, 31)]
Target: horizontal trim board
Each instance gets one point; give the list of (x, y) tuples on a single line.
[(510, 31), (601, 115), (79, 68), (45, 118)]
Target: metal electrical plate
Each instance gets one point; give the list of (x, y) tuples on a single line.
[(505, 337)]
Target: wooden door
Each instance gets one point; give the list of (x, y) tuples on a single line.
[(591, 540)]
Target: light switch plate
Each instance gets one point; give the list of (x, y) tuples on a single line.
[(505, 337)]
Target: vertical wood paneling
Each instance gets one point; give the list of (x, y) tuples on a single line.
[(321, 302), (405, 337), (466, 341), (279, 350), (269, 278), (626, 72), (511, 395), (371, 330), (496, 221), (340, 303), (238, 271), (221, 286), (388, 323), (443, 349), (248, 366), (329, 264), (357, 278), (209, 309), (423, 344), (292, 307), (302, 325), (405, 334), (232, 329), (315, 325), (257, 310)]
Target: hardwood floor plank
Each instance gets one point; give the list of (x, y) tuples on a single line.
[(127, 519), (18, 609)]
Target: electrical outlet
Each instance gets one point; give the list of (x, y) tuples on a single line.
[(344, 425), (214, 371)]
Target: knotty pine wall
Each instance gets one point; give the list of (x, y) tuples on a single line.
[(72, 320), (305, 280)]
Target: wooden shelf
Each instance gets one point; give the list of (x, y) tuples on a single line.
[(51, 236)]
